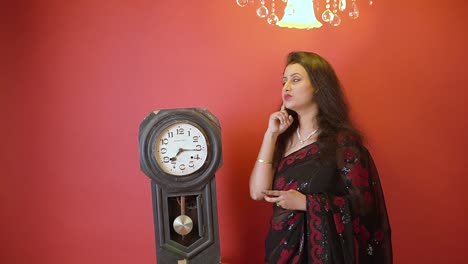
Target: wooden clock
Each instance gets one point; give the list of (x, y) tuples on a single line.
[(180, 151)]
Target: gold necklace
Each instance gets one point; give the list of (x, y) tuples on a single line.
[(307, 138)]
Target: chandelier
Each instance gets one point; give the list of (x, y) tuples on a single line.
[(302, 13)]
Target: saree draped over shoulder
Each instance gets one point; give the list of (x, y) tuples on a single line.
[(346, 220)]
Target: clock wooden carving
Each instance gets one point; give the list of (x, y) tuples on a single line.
[(180, 151)]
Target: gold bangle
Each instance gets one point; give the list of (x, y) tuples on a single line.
[(264, 161)]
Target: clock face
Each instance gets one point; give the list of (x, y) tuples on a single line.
[(180, 149)]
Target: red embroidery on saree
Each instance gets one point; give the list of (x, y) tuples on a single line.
[(338, 223), (349, 154), (296, 259), (339, 201), (294, 219), (276, 226), (301, 154), (285, 255), (378, 235), (298, 155), (358, 176), (291, 186), (279, 183), (356, 225), (315, 234), (364, 233)]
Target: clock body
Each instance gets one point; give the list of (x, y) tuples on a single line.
[(180, 151)]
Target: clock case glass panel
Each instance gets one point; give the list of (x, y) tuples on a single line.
[(201, 245)]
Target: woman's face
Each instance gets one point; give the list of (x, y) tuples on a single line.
[(298, 92)]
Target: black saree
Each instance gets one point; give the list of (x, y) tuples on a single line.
[(346, 219)]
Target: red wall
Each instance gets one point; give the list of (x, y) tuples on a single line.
[(79, 77)]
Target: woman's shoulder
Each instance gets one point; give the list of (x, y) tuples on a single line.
[(351, 148), (348, 138)]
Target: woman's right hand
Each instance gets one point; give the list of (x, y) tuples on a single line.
[(279, 121)]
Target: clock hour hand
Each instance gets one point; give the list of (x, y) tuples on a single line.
[(177, 154)]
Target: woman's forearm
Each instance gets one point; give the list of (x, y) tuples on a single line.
[(262, 173)]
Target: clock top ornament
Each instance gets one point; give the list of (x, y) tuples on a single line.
[(180, 148)]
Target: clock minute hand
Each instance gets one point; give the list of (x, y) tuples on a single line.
[(180, 151), (191, 149)]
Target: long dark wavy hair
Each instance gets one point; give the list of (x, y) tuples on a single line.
[(333, 110)]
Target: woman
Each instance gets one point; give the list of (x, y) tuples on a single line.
[(328, 205)]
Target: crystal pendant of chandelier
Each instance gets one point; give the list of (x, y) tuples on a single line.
[(302, 14)]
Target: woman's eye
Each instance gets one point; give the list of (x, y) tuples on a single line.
[(296, 80)]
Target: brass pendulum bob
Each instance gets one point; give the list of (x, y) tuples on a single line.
[(183, 224)]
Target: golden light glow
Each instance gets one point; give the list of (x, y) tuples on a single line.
[(299, 14)]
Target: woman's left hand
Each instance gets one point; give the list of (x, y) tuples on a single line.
[(290, 199)]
